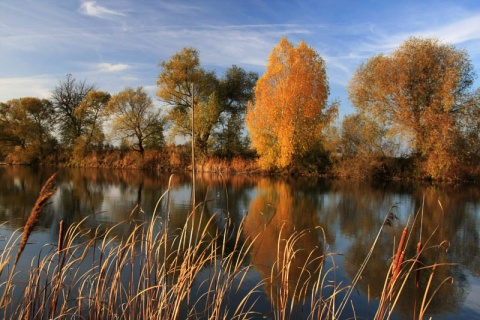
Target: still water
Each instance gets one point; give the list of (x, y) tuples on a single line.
[(342, 218)]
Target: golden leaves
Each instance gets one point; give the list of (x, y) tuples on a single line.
[(416, 90), (290, 104)]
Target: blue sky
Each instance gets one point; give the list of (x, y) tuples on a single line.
[(119, 43)]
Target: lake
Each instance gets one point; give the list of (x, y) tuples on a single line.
[(342, 219)]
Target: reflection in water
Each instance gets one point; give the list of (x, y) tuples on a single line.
[(446, 215), (285, 242), (282, 225)]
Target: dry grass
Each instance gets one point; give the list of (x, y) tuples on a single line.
[(194, 272)]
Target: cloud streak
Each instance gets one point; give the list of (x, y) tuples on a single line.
[(91, 8), (109, 67)]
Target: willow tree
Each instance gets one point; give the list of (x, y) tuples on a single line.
[(183, 83), (135, 119), (417, 92), (290, 107)]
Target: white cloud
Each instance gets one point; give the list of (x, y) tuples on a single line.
[(38, 86), (91, 8), (109, 67)]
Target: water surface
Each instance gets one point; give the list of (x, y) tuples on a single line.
[(342, 219)]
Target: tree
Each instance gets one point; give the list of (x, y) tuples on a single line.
[(26, 123), (135, 119), (417, 92), (92, 114), (361, 137), (67, 98), (290, 108), (237, 89), (183, 81)]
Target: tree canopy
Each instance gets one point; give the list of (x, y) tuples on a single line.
[(183, 82), (25, 124), (67, 97), (417, 91), (290, 107), (135, 119)]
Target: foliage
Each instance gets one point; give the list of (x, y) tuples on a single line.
[(361, 136), (67, 98), (25, 129), (290, 108), (135, 119), (183, 82), (417, 92), (237, 89)]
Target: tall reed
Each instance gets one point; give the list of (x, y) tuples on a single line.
[(46, 192), (161, 272)]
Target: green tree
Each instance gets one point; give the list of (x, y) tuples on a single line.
[(237, 89), (417, 92), (67, 98), (135, 119), (183, 81), (26, 123), (290, 108)]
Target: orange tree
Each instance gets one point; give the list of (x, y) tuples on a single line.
[(290, 109), (418, 92)]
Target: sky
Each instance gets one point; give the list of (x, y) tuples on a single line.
[(116, 44)]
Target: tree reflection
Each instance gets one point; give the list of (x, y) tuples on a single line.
[(20, 187), (281, 224), (286, 246), (361, 212)]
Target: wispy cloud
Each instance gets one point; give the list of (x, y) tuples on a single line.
[(110, 67), (455, 32), (91, 8), (458, 32)]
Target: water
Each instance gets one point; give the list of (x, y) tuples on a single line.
[(342, 217)]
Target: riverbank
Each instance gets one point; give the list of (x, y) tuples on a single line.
[(175, 159)]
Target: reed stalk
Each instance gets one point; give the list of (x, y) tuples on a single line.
[(46, 192), (151, 273)]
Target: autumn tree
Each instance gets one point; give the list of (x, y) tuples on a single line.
[(26, 128), (135, 119), (361, 137), (469, 124), (67, 98), (290, 107), (92, 113), (417, 92), (183, 82)]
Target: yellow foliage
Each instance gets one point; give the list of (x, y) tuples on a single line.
[(290, 107)]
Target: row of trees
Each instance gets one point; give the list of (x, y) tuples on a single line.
[(415, 108), (79, 119), (72, 122)]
